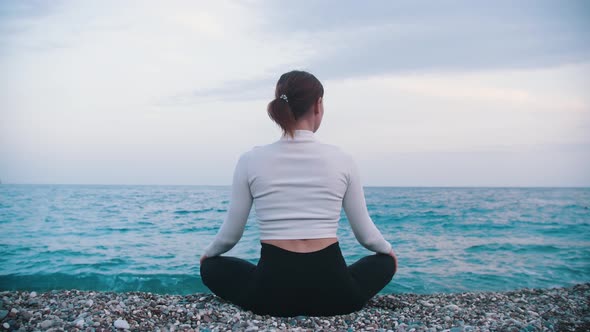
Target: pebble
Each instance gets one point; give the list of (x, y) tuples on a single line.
[(452, 307), (121, 324), (25, 314), (46, 324), (6, 326), (426, 304), (33, 294), (552, 309)]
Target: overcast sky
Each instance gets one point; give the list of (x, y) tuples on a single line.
[(422, 93)]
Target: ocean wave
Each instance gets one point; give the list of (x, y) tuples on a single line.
[(155, 283), (515, 248), (183, 212)]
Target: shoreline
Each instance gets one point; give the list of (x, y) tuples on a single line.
[(552, 309)]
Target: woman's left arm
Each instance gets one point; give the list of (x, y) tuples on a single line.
[(237, 214)]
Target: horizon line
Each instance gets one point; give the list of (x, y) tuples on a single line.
[(365, 186)]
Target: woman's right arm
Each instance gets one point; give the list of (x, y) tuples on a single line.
[(237, 214), (356, 211)]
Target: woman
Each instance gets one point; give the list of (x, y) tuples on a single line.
[(298, 186)]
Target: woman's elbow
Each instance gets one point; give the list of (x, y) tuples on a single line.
[(369, 242), (229, 242)]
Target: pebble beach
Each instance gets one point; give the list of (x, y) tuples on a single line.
[(554, 309)]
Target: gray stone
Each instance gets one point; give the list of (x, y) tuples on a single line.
[(121, 324), (452, 307), (46, 324), (26, 315)]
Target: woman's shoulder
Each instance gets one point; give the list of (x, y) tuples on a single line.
[(318, 147), (255, 152), (321, 149), (336, 152)]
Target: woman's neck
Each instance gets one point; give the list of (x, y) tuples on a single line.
[(304, 124)]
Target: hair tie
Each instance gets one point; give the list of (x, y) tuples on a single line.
[(284, 97)]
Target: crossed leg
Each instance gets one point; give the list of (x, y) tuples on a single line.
[(228, 277), (372, 274)]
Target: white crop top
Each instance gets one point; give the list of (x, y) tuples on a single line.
[(298, 186)]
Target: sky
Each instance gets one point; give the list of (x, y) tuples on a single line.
[(421, 93)]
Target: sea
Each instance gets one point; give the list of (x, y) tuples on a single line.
[(149, 238)]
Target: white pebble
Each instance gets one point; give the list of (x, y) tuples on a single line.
[(426, 304), (80, 323), (33, 294), (89, 303), (121, 324), (6, 326), (452, 307)]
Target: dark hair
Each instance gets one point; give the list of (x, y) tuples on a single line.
[(295, 93)]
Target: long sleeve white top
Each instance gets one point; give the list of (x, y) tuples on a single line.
[(298, 187)]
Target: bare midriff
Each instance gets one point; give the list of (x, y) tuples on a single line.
[(303, 245)]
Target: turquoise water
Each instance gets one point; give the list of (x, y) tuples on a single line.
[(150, 238)]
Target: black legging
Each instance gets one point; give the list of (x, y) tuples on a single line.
[(286, 283)]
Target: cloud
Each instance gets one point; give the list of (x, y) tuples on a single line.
[(393, 37), (91, 90), (146, 54), (346, 40), (237, 90)]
